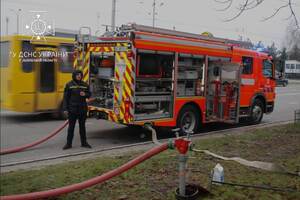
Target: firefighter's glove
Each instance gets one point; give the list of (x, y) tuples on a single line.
[(66, 114)]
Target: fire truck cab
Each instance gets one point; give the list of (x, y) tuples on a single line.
[(140, 74)]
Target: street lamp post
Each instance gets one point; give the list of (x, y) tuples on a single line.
[(18, 17), (154, 12), (113, 15), (98, 21)]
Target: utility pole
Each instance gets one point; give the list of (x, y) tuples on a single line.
[(98, 20), (18, 21), (153, 13), (113, 15), (6, 20)]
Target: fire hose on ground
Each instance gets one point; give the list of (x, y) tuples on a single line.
[(35, 143), (181, 144), (267, 166), (93, 181)]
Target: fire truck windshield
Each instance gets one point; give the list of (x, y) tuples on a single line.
[(268, 69)]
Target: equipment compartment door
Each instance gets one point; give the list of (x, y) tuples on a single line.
[(46, 79), (223, 92), (124, 84)]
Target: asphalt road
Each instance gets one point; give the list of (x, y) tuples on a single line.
[(18, 129)]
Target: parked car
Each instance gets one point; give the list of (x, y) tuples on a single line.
[(282, 81)]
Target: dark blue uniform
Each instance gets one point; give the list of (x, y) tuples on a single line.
[(76, 106)]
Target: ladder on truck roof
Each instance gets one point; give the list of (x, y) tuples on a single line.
[(163, 31), (125, 30), (201, 41)]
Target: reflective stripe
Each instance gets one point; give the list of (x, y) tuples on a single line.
[(101, 49), (77, 60), (116, 94), (124, 84), (111, 116), (127, 85), (86, 66), (78, 86), (248, 81)]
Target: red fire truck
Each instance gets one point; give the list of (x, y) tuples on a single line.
[(143, 75)]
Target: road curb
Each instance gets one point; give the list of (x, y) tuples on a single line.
[(120, 150)]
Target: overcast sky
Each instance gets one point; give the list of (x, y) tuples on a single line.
[(194, 16)]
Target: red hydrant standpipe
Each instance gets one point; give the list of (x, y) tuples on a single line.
[(21, 148), (90, 182), (182, 146)]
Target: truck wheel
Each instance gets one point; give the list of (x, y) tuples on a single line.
[(188, 119), (257, 112)]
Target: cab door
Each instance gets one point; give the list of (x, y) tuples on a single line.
[(267, 80), (46, 75)]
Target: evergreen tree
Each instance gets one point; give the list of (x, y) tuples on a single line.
[(272, 50), (282, 58)]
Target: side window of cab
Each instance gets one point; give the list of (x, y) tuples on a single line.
[(247, 65), (267, 69)]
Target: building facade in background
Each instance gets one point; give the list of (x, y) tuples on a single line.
[(292, 69)]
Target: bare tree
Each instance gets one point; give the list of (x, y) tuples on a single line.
[(244, 5), (292, 37)]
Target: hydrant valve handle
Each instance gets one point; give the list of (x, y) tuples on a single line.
[(182, 145)]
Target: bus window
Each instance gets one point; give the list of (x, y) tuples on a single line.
[(292, 66), (267, 69), (66, 61), (27, 63), (247, 65), (4, 54), (47, 76)]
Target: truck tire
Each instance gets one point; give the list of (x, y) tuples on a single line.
[(257, 112), (188, 119)]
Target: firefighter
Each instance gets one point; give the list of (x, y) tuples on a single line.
[(75, 107)]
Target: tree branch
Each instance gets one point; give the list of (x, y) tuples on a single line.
[(254, 4), (227, 7), (251, 4), (294, 15), (241, 10), (223, 2), (275, 13)]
